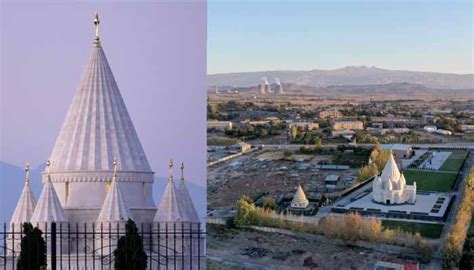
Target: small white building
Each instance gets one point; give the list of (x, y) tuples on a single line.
[(399, 150), (391, 188), (331, 180), (430, 128), (466, 127), (304, 126), (240, 147), (219, 125), (299, 200), (443, 132)]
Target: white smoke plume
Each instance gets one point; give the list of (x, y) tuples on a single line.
[(277, 81), (265, 80)]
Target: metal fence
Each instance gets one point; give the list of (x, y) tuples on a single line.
[(91, 246)]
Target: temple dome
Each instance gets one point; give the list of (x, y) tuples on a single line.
[(390, 175), (97, 128)]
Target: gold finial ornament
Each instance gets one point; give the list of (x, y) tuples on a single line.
[(48, 170), (96, 23), (182, 171), (27, 172), (114, 178), (170, 166)]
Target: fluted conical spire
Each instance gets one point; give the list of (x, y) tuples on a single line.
[(48, 208), (188, 210), (97, 126), (114, 208), (390, 170), (169, 209), (300, 197), (27, 202)]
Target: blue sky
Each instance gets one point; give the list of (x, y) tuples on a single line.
[(270, 35)]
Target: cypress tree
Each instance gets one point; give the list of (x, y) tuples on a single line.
[(33, 249), (130, 254)]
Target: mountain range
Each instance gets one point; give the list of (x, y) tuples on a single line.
[(350, 75)]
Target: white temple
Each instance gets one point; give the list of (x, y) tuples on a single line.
[(98, 172), (391, 188), (299, 200)]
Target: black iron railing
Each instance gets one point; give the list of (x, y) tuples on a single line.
[(91, 246)]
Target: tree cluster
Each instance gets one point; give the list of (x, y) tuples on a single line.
[(33, 249), (378, 159), (453, 249)]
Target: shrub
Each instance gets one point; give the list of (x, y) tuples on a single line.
[(246, 212), (269, 203), (230, 223)]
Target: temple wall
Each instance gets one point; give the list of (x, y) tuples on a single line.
[(91, 195)]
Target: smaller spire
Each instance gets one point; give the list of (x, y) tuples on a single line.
[(114, 177), (182, 172), (170, 167), (96, 23), (27, 172), (48, 170)]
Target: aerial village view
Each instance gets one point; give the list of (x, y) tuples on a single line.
[(357, 167)]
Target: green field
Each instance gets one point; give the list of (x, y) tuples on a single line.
[(424, 229), (431, 181), (454, 161)]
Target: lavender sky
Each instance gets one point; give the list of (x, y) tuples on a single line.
[(157, 52)]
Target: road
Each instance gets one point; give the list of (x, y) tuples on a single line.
[(468, 145)]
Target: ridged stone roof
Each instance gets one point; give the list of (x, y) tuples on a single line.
[(48, 208), (300, 197), (390, 172), (26, 204), (114, 208), (186, 204), (98, 127)]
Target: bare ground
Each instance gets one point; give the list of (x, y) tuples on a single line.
[(260, 250)]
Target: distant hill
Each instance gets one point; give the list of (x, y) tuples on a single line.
[(351, 75)]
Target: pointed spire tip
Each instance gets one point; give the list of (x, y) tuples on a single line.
[(27, 172), (170, 167), (96, 23), (114, 178), (48, 170), (182, 171)]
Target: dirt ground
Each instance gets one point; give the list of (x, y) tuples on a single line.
[(260, 250), (249, 176)]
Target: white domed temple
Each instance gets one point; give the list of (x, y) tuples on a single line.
[(98, 176), (391, 188)]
